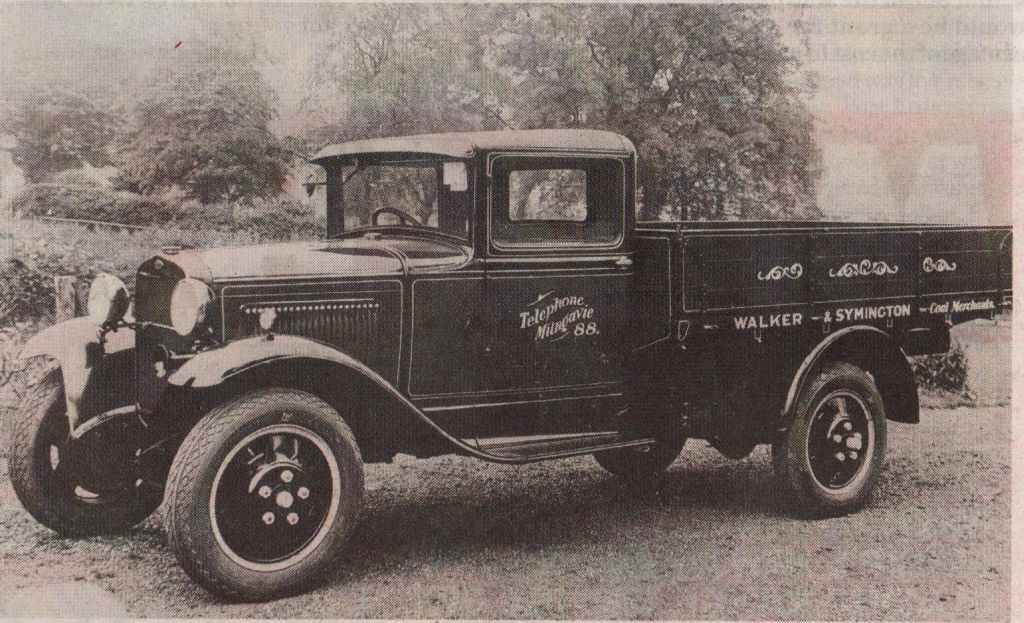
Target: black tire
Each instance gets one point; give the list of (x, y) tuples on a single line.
[(48, 487), (640, 463), (839, 412), (225, 547)]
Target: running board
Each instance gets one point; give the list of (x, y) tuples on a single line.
[(544, 447)]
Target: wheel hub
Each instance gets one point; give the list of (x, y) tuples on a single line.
[(274, 497), (839, 440)]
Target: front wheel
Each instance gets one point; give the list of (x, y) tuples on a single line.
[(263, 495), (71, 494), (829, 460)]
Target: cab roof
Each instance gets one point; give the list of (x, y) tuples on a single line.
[(466, 144)]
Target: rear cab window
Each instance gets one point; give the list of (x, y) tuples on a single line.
[(544, 201)]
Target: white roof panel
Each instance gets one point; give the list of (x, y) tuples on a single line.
[(464, 144)]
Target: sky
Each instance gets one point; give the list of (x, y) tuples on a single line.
[(913, 102), (914, 108)]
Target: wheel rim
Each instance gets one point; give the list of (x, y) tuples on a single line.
[(840, 441), (275, 497)]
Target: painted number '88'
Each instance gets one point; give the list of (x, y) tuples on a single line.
[(581, 329)]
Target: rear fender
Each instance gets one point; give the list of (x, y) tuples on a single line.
[(98, 374), (876, 352)]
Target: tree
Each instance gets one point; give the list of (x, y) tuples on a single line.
[(203, 130), (391, 70), (709, 95), (58, 130)]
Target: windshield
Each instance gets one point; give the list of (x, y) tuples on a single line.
[(419, 193)]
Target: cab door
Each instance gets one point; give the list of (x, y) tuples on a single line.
[(558, 276)]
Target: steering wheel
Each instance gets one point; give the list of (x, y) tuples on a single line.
[(402, 216)]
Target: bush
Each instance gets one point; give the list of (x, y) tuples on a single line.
[(943, 372), (92, 202), (24, 292), (286, 219)]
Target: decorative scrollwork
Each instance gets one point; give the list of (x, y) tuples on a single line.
[(863, 268), (778, 272), (937, 265)]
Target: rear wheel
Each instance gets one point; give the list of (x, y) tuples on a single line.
[(263, 495), (829, 460), (65, 492)]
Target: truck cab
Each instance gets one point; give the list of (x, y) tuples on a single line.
[(544, 220)]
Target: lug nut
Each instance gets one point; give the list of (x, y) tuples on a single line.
[(284, 499), (853, 455), (293, 518), (837, 438), (287, 476), (268, 518), (847, 426), (265, 491), (840, 456), (303, 493)]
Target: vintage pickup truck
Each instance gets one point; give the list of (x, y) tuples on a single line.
[(487, 294)]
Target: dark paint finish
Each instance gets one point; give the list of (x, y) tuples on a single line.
[(489, 340)]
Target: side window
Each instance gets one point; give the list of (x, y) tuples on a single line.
[(540, 201)]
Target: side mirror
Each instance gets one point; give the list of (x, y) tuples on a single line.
[(310, 185)]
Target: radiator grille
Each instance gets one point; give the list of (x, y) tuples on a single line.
[(352, 322), (154, 284)]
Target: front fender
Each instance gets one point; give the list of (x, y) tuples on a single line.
[(87, 364), (214, 367)]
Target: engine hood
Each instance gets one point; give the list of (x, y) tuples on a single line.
[(353, 257)]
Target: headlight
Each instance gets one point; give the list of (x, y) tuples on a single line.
[(108, 299), (188, 305)]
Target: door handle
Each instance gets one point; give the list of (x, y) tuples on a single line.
[(624, 263)]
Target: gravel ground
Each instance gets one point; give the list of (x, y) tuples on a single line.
[(455, 538)]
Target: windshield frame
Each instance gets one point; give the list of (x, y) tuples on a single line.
[(335, 178)]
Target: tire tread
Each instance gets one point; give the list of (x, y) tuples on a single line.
[(186, 471), (67, 519), (795, 491)]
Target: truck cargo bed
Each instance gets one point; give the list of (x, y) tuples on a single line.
[(757, 275)]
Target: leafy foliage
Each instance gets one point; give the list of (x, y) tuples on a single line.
[(91, 202), (258, 219), (202, 131), (392, 70), (944, 372), (23, 292), (56, 129), (709, 95)]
